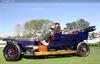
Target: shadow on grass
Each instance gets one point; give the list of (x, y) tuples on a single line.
[(47, 56)]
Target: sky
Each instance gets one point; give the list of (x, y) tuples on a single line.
[(18, 13), (50, 1)]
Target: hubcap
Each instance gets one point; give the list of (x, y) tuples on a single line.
[(11, 52)]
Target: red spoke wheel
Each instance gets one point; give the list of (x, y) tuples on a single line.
[(83, 49), (12, 52)]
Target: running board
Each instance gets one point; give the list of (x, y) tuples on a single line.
[(54, 53)]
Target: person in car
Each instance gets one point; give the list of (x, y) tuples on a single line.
[(54, 30), (57, 28)]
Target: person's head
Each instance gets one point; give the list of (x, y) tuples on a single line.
[(51, 24), (57, 24)]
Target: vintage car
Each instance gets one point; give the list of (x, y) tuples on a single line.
[(72, 43)]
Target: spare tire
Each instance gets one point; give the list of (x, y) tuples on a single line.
[(12, 52), (83, 49)]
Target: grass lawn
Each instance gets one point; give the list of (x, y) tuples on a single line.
[(93, 58)]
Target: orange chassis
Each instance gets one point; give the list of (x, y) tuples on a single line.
[(44, 51)]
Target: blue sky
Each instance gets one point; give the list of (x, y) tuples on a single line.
[(14, 13), (50, 0)]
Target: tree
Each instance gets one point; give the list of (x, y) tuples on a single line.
[(82, 24), (34, 25), (68, 26), (77, 25), (18, 29)]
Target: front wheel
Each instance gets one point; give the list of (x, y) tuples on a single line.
[(12, 52), (83, 49)]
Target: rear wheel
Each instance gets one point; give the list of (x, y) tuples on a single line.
[(83, 49), (12, 52)]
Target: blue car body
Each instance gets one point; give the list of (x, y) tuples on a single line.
[(60, 40)]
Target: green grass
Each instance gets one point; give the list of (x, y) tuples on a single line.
[(93, 58)]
